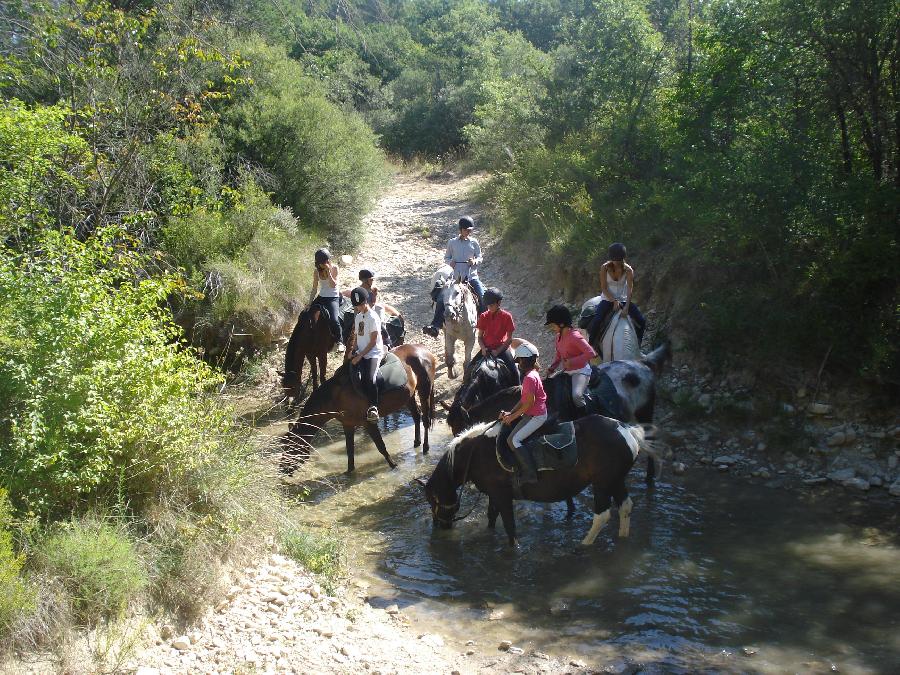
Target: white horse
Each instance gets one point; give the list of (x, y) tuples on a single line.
[(460, 317), (618, 340)]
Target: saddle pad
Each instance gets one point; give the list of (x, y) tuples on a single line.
[(588, 309), (391, 374), (604, 399), (558, 450)]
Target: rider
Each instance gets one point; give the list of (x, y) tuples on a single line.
[(366, 348), (325, 291), (531, 408), (573, 355), (616, 287), (383, 310), (495, 331), (439, 281), (464, 255)]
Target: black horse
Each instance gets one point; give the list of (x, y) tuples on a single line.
[(633, 398), (606, 450)]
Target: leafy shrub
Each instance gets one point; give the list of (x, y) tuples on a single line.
[(16, 597), (320, 552), (98, 566), (97, 398)]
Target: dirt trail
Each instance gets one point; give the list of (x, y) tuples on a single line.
[(406, 236)]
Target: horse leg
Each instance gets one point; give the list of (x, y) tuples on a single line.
[(650, 478), (349, 438), (314, 372), (323, 364), (469, 343), (570, 508), (417, 419), (449, 351), (426, 392), (624, 503), (375, 435), (509, 519), (601, 514), (493, 512)]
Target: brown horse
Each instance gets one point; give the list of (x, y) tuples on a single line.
[(311, 340), (338, 398)]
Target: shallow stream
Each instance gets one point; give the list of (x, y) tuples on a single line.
[(718, 573)]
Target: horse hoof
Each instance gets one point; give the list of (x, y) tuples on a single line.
[(651, 481), (416, 444)]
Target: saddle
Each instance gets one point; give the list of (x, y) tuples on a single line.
[(551, 447), (391, 375), (503, 376)]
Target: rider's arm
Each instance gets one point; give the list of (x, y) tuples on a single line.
[(333, 273), (524, 404), (390, 309), (373, 339), (629, 279), (476, 258), (481, 338), (448, 256), (315, 286), (351, 343)]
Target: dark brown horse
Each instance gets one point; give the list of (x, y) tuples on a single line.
[(311, 340), (338, 398), (606, 450)]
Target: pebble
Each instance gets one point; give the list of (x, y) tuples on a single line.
[(727, 460), (504, 645), (516, 650), (540, 655), (841, 475), (496, 615), (575, 663), (819, 408), (894, 489), (818, 480), (392, 609), (749, 651), (678, 468), (182, 643)]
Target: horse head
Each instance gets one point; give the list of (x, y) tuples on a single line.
[(459, 302)]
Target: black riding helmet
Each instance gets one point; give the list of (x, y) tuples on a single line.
[(466, 222), (559, 314), (492, 295), (358, 296), (322, 256), (617, 251), (366, 274)]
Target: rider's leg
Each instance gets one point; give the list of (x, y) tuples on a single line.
[(333, 305), (437, 321), (599, 315), (579, 384), (478, 287), (527, 425), (368, 372), (509, 360), (640, 323)]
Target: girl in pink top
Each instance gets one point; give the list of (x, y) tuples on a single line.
[(573, 355), (531, 408)]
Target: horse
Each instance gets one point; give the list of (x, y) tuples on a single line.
[(635, 388), (606, 450), (460, 317), (617, 338), (485, 376), (338, 398), (311, 340)]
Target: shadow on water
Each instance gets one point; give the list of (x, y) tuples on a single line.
[(712, 565)]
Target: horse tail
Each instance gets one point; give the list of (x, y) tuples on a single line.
[(658, 358), (643, 438)]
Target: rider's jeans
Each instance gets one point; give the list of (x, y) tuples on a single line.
[(478, 287), (333, 306), (640, 323), (527, 425), (438, 320), (367, 370), (579, 384)]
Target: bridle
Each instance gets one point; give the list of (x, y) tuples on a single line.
[(437, 508)]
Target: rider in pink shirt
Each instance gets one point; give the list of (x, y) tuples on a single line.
[(573, 355), (531, 408)]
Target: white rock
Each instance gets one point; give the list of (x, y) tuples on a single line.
[(841, 475), (182, 643), (496, 615), (895, 488), (576, 663), (392, 609), (346, 260), (540, 655), (432, 640), (819, 408), (678, 468), (516, 650), (858, 483), (727, 460)]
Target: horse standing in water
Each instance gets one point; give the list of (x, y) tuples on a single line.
[(311, 340), (460, 317), (606, 450), (635, 386), (338, 398)]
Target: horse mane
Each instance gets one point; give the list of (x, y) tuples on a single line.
[(472, 432)]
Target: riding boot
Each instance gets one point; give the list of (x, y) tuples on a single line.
[(527, 472)]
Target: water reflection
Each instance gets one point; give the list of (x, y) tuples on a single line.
[(712, 565)]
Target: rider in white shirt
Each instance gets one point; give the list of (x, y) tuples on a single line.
[(366, 348)]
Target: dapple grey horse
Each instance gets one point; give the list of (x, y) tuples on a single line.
[(460, 317)]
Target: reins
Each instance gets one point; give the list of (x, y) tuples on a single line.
[(465, 477)]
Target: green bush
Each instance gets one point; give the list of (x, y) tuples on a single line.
[(321, 552), (325, 158), (16, 596), (97, 398), (97, 564)]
